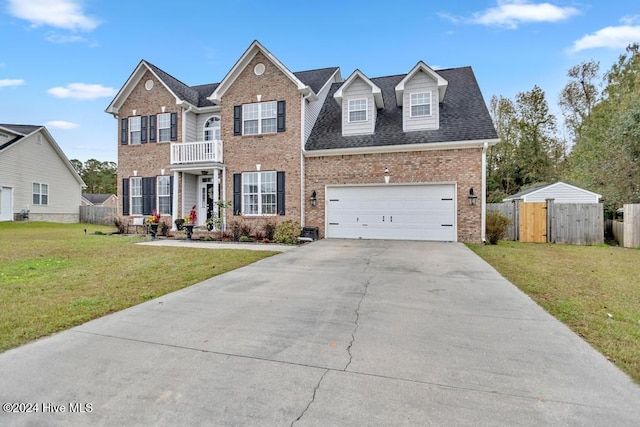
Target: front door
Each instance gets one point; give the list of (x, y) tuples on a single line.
[(205, 201), (6, 202)]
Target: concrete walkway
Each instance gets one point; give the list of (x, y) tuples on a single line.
[(331, 333)]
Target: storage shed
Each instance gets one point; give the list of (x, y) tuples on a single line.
[(561, 192)]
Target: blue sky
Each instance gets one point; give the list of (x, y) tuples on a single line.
[(62, 61)]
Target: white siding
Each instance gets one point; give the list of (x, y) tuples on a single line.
[(191, 132), (312, 109), (358, 90), (28, 161), (420, 82), (200, 121), (561, 193)]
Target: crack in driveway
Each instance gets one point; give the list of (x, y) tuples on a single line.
[(357, 322), (313, 398)]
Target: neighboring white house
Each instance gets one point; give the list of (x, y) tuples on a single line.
[(36, 177), (560, 192)]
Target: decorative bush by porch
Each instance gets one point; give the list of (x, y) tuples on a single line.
[(497, 225)]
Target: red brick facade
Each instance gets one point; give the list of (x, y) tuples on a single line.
[(273, 152), (461, 166)]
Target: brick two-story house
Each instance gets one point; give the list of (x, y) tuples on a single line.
[(396, 157)]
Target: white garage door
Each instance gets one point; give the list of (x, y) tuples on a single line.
[(400, 212)]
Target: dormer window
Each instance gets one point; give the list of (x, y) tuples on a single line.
[(421, 104), (357, 110)]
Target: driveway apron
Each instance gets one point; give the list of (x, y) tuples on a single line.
[(336, 332)]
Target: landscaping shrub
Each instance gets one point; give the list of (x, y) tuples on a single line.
[(287, 232), (238, 229), (269, 229), (120, 224), (496, 228)]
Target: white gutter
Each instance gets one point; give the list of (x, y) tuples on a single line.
[(425, 146), (303, 110), (483, 220)]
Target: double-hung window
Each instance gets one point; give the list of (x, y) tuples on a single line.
[(357, 110), (135, 130), (164, 127), (259, 118), (40, 194), (164, 195), (135, 190), (259, 191), (420, 104)]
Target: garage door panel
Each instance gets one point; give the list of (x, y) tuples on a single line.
[(420, 212)]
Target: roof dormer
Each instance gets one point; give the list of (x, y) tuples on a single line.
[(359, 99), (419, 94)]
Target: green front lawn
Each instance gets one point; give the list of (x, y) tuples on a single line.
[(595, 290), (54, 276)]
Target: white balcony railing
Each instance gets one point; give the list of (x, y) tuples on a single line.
[(196, 152)]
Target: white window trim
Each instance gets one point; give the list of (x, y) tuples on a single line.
[(159, 128), (211, 128), (260, 117), (131, 196), (139, 130), (40, 193), (429, 103), (167, 196), (366, 110), (259, 193)]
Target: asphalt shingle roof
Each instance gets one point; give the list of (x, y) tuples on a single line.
[(21, 130), (463, 117), (96, 199), (197, 95)]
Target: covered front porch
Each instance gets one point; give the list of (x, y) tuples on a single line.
[(198, 178)]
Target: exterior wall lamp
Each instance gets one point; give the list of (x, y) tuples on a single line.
[(472, 197), (386, 175), (313, 199)]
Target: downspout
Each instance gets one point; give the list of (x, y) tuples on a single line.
[(483, 220), (174, 208), (302, 163)]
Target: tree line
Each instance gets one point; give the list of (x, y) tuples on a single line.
[(599, 149), (100, 177)]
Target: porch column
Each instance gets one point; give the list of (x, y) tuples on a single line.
[(174, 208)]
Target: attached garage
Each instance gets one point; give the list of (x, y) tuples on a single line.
[(395, 212)]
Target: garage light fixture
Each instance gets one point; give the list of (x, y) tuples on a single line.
[(386, 175), (313, 199), (472, 197)]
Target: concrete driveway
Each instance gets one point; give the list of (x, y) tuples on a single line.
[(332, 333)]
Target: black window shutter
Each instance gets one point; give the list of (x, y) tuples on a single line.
[(125, 196), (281, 115), (143, 129), (148, 195), (171, 194), (174, 126), (123, 136), (280, 193), (237, 120), (237, 193), (152, 128)]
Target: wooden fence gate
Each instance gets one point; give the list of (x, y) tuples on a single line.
[(533, 222)]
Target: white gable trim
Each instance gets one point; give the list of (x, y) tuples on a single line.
[(130, 84), (421, 66), (357, 74), (242, 63), (524, 197)]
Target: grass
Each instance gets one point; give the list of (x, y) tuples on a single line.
[(54, 276), (595, 290)]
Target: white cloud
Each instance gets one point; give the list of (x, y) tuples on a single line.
[(82, 91), (59, 38), (511, 13), (67, 14), (608, 37), (630, 19), (11, 82), (59, 124)]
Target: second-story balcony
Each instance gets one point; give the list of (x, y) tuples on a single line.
[(196, 152)]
